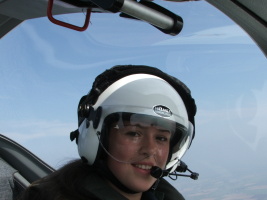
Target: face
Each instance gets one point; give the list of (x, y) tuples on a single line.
[(137, 148)]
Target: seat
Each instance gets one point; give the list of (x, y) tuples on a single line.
[(11, 182), (18, 168)]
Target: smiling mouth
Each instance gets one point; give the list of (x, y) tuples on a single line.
[(145, 167)]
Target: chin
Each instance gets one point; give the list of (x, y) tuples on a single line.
[(141, 186)]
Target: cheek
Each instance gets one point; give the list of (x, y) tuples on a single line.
[(122, 156), (163, 154), (121, 150)]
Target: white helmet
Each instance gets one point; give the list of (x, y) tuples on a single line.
[(142, 93)]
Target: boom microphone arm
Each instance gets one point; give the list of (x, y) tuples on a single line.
[(157, 172)]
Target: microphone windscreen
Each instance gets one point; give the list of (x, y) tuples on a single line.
[(156, 172)]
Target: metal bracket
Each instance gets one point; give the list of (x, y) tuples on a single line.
[(64, 24)]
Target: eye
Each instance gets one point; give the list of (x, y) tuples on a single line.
[(133, 134), (162, 138)]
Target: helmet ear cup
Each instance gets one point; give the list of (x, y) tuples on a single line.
[(88, 121), (88, 138)]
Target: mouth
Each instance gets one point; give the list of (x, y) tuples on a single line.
[(144, 167)]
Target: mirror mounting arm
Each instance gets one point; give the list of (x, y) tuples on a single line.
[(144, 10)]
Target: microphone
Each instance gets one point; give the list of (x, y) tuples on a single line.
[(157, 172)]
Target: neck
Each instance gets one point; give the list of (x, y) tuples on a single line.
[(135, 196), (104, 171)]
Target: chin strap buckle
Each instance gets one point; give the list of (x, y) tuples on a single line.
[(64, 24)]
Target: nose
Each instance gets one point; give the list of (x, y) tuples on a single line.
[(148, 146)]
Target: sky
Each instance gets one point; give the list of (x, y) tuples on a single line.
[(45, 69)]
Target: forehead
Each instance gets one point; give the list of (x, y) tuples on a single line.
[(141, 121), (141, 126)]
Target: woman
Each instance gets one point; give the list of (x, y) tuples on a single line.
[(134, 126)]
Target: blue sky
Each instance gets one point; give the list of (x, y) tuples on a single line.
[(45, 69)]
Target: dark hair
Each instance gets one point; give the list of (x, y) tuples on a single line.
[(65, 184), (61, 184)]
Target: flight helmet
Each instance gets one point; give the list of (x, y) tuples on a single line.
[(135, 92)]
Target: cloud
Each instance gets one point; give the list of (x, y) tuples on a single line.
[(49, 49), (26, 130), (232, 34)]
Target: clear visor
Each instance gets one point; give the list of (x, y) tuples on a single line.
[(136, 129)]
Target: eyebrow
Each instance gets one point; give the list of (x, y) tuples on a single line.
[(140, 126)]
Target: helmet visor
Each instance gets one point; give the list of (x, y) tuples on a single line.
[(125, 119), (133, 122)]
